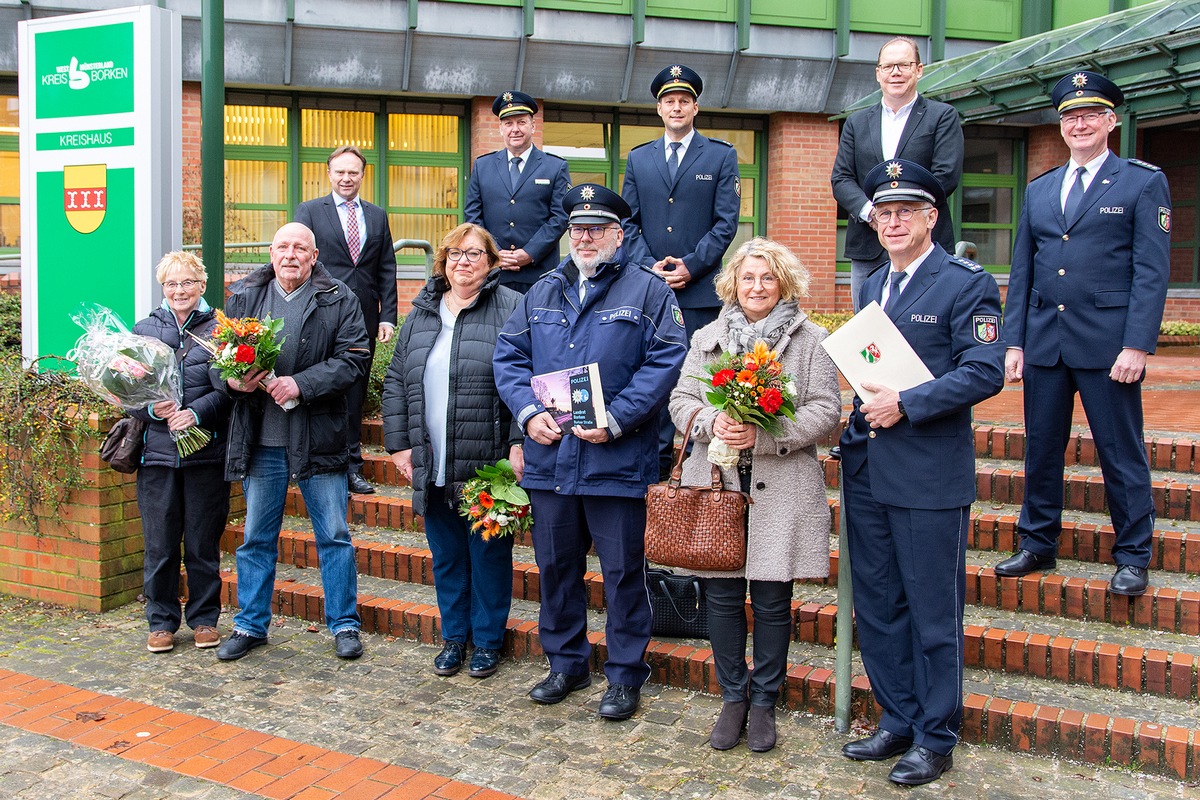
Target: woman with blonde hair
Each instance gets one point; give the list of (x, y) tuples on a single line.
[(788, 522)]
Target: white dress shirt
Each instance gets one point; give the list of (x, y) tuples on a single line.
[(340, 203), (909, 272), (1089, 172)]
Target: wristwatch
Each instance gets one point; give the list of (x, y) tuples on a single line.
[(900, 407)]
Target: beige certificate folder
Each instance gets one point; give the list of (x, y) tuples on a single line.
[(870, 348)]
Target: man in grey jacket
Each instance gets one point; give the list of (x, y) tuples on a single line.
[(295, 430)]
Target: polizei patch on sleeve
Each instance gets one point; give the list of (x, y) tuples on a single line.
[(987, 328)]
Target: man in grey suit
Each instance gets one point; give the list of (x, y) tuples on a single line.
[(905, 125), (355, 241)]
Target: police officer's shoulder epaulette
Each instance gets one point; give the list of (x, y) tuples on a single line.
[(652, 272), (1044, 174), (644, 144), (966, 263), (553, 155), (1145, 165), (720, 141)]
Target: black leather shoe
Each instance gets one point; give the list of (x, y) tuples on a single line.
[(920, 766), (484, 661), (879, 746), (346, 644), (620, 701), (357, 484), (1024, 562), (239, 644), (1129, 580), (557, 686), (450, 660)]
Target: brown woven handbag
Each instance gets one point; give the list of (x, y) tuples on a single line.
[(695, 527)]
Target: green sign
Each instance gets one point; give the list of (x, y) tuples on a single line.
[(84, 71), (91, 257), (71, 140)]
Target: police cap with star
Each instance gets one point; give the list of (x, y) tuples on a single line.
[(592, 204), (898, 179), (1085, 88), (513, 102), (677, 78)]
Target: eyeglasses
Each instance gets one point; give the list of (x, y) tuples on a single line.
[(594, 231), (903, 67), (902, 214), (171, 286), (1090, 118), (767, 281), (472, 255)]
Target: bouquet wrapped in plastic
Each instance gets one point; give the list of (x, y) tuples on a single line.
[(241, 345), (130, 371), (494, 502), (750, 388)]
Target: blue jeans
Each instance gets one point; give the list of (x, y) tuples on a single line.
[(265, 487), (473, 578)]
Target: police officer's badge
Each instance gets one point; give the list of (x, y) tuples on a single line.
[(676, 71), (677, 315), (737, 184), (871, 353), (1079, 80), (893, 170), (1164, 219), (587, 193), (507, 97), (987, 328)]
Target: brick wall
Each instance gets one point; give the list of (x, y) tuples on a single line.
[(191, 163), (800, 205), (92, 560)]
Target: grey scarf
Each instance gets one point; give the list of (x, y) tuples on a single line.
[(743, 333)]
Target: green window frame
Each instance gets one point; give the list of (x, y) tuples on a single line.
[(10, 205)]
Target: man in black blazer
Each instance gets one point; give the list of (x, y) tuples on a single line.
[(517, 193), (355, 242), (905, 125)]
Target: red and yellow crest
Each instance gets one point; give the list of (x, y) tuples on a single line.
[(85, 195)]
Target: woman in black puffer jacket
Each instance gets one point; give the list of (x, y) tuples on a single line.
[(442, 419), (183, 500)]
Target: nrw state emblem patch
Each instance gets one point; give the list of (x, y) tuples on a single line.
[(987, 328), (871, 353)]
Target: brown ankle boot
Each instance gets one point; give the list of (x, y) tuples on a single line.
[(760, 737), (728, 729)]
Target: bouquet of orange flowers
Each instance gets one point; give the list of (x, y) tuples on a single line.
[(750, 388), (495, 503), (241, 345)]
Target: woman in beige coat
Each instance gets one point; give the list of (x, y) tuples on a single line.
[(788, 530)]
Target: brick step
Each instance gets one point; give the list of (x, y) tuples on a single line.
[(1041, 728), (1086, 537), (1176, 496), (1137, 664), (1169, 453)]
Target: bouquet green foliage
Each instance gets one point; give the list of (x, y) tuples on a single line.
[(242, 345), (751, 388), (495, 503)]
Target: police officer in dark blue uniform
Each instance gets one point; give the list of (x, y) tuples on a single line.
[(685, 194), (1085, 298), (587, 486), (908, 465), (516, 193)]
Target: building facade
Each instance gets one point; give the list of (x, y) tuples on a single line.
[(411, 84)]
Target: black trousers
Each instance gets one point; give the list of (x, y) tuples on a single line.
[(355, 395), (187, 507), (771, 602)]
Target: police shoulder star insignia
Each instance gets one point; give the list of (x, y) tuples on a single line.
[(1079, 80), (894, 169)]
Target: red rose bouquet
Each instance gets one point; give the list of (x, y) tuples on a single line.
[(495, 503), (239, 346), (749, 388)]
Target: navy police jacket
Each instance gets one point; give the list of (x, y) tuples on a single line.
[(694, 217), (950, 313), (629, 325), (1082, 290), (531, 218)]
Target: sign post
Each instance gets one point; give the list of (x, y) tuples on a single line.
[(101, 166)]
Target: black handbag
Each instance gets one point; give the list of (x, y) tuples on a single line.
[(122, 448), (677, 605)]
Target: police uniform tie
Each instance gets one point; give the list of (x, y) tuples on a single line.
[(514, 171), (894, 279), (673, 161), (353, 240), (1074, 197)]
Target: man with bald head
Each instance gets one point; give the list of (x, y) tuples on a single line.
[(290, 425)]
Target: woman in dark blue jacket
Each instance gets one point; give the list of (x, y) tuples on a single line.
[(183, 500), (442, 419)]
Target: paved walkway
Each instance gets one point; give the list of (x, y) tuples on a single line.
[(290, 720)]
